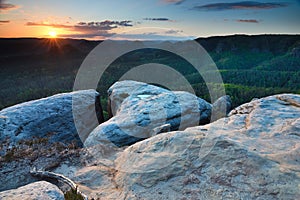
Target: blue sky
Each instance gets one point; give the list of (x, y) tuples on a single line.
[(101, 19)]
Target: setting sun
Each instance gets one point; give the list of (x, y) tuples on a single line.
[(52, 34)]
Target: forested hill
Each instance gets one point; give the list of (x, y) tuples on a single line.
[(251, 66), (253, 51), (256, 65), (275, 44), (41, 46)]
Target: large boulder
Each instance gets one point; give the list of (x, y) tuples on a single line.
[(52, 117), (138, 108), (41, 190), (119, 91), (252, 154)]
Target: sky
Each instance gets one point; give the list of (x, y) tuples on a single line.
[(146, 19)]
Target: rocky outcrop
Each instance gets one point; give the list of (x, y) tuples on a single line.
[(38, 190), (253, 154), (52, 117), (138, 108)]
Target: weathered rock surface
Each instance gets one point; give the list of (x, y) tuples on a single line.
[(253, 154), (221, 107), (41, 190), (16, 163), (51, 117), (138, 108), (119, 91)]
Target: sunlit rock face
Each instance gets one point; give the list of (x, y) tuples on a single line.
[(252, 154), (138, 108), (51, 118)]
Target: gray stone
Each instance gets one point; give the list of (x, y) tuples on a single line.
[(51, 117), (161, 129), (122, 89), (221, 107), (41, 190), (138, 108), (252, 154)]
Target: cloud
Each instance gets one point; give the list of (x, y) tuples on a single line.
[(239, 6), (157, 19), (172, 32), (87, 29), (7, 6), (176, 2), (106, 23), (81, 26), (247, 20), (98, 35), (47, 24), (152, 36), (4, 21)]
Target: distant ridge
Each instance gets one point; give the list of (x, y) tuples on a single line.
[(275, 43)]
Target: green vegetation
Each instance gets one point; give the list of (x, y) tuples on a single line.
[(73, 195), (251, 67)]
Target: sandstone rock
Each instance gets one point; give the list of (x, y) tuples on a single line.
[(51, 117), (121, 90), (161, 129), (41, 190), (15, 164), (221, 107), (144, 107), (253, 154)]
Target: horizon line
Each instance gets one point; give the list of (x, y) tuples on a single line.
[(206, 37)]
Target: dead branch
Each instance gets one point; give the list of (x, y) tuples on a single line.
[(58, 177)]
